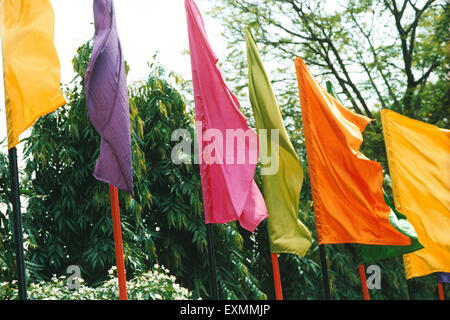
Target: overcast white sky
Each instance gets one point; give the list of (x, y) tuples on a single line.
[(144, 27)]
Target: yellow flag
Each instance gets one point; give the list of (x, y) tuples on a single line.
[(30, 64), (287, 234), (419, 163)]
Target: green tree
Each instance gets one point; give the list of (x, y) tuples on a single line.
[(379, 52), (176, 208), (68, 218)]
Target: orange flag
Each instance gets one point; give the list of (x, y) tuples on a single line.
[(346, 186)]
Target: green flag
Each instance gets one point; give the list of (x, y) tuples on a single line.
[(282, 187), (370, 253)]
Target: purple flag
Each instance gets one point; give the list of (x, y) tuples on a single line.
[(443, 277), (107, 100)]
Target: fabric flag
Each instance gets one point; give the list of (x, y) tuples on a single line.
[(367, 253), (30, 64), (107, 100), (281, 189), (443, 277), (373, 253), (419, 163), (229, 191), (346, 186)]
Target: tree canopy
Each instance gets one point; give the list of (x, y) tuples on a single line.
[(390, 54)]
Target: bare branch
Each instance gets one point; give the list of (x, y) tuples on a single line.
[(425, 76)]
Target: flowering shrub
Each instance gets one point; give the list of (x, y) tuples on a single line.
[(157, 284)]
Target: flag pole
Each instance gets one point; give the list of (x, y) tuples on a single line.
[(362, 275), (276, 277), (441, 291), (114, 195), (212, 262), (323, 263), (17, 220), (409, 284)]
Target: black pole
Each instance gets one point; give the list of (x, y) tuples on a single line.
[(212, 262), (409, 284), (17, 219), (323, 263)]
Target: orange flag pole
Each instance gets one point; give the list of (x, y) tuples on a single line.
[(362, 275), (114, 195), (441, 291), (276, 277)]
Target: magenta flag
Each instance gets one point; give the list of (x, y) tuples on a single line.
[(228, 147), (107, 100)]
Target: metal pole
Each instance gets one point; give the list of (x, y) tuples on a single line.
[(323, 263), (17, 220), (410, 283), (212, 262)]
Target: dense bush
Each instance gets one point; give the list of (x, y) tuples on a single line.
[(156, 284), (67, 218)]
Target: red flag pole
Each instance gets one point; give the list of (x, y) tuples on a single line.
[(276, 277), (441, 291), (362, 275), (114, 195)]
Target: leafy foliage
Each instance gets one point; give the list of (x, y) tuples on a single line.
[(152, 285), (68, 216), (68, 219), (176, 209)]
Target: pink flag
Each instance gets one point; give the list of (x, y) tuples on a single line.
[(228, 147)]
